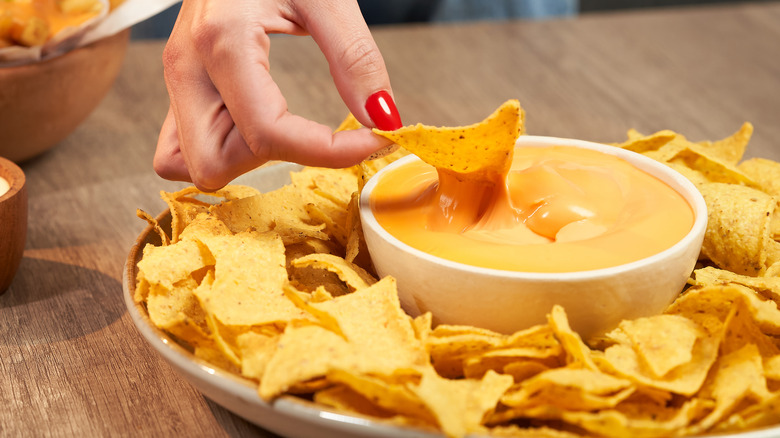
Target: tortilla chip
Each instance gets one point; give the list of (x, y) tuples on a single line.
[(738, 227), (248, 294), (474, 152), (353, 276), (461, 405)]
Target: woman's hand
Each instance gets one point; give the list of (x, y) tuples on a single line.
[(227, 116)]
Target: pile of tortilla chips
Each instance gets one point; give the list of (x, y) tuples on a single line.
[(278, 287)]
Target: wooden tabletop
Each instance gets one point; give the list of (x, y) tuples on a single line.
[(71, 361)]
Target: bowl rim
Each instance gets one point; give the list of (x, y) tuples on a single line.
[(666, 174)]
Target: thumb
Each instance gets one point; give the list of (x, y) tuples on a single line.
[(356, 65)]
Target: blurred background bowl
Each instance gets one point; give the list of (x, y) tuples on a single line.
[(42, 103), (504, 301), (13, 221)]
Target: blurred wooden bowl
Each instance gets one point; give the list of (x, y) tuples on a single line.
[(13, 221), (42, 103)]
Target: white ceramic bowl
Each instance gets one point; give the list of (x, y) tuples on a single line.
[(595, 301)]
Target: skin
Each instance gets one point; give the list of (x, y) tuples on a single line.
[(227, 116)]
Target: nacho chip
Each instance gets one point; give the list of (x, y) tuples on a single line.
[(642, 144), (335, 185), (697, 158), (461, 405), (183, 210), (422, 325), (352, 275), (742, 329), (685, 379), (662, 342), (345, 399), (769, 286), (515, 431), (571, 389), (168, 265), (202, 226), (388, 393), (185, 206), (164, 238), (376, 338), (763, 414), (642, 420), (738, 376), (256, 349), (376, 326), (302, 353), (710, 307), (450, 346), (332, 218), (248, 293), (521, 355), (282, 211), (738, 227), (323, 318), (474, 152), (576, 350), (177, 310), (730, 149), (356, 250), (766, 174)]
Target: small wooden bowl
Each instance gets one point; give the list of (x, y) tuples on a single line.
[(13, 222), (42, 103)]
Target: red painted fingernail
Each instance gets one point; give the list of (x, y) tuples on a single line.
[(382, 110)]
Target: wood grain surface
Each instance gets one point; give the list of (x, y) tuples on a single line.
[(71, 362)]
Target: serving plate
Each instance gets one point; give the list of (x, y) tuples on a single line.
[(287, 416)]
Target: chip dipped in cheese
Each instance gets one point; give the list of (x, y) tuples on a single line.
[(554, 209)]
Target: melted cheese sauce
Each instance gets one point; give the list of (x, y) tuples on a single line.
[(559, 209)]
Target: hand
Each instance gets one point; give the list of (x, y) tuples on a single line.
[(227, 116)]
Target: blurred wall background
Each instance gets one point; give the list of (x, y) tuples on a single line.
[(379, 12), (604, 5)]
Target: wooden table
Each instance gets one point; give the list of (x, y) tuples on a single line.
[(72, 363)]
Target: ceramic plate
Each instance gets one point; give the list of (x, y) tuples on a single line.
[(287, 416)]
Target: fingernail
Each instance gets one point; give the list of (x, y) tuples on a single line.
[(382, 110)]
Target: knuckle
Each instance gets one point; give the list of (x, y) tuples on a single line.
[(171, 56), (205, 35), (261, 144), (361, 57)]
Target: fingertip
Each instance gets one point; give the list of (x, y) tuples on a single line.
[(171, 168), (352, 147)]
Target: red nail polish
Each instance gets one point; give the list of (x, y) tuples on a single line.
[(382, 110)]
